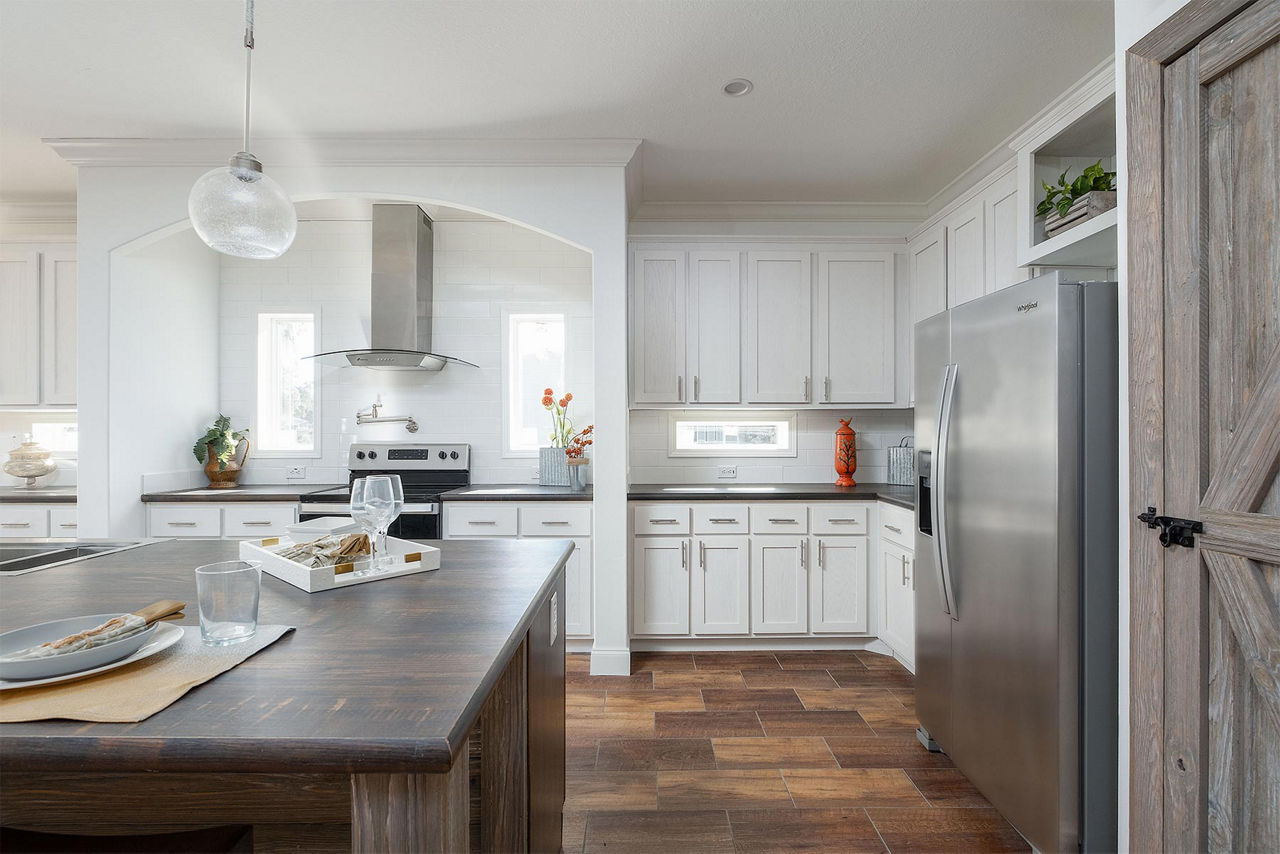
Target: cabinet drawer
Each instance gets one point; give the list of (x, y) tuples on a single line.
[(184, 520), (720, 519), (662, 519), (897, 525), (24, 521), (62, 521), (839, 518), (556, 520), (780, 519), (480, 520), (258, 520)]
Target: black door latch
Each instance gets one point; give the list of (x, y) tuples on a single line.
[(1173, 531)]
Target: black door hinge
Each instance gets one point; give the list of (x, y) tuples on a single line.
[(1173, 531)]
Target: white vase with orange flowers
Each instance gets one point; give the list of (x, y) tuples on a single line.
[(553, 467)]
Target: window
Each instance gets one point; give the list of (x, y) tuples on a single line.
[(286, 422), (729, 434), (533, 347)]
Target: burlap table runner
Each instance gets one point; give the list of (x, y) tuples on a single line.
[(136, 691)]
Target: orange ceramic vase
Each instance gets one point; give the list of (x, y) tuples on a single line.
[(846, 454)]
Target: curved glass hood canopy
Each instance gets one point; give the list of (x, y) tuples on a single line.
[(401, 299)]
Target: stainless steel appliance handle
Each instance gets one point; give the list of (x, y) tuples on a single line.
[(938, 494)]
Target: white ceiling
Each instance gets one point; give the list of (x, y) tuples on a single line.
[(854, 101)]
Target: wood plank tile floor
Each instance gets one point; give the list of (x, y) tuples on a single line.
[(756, 752)]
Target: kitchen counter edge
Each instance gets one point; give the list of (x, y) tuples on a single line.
[(262, 493), (515, 492), (901, 496)]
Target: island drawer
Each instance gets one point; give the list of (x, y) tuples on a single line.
[(555, 520), (464, 519), (779, 519), (663, 518), (24, 521), (184, 520), (842, 517), (258, 520), (720, 519)]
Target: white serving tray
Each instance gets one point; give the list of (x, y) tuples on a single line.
[(409, 558)]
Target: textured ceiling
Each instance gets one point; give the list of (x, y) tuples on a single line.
[(854, 101)]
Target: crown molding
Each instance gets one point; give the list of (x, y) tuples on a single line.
[(37, 212), (1091, 90), (779, 212), (346, 151)]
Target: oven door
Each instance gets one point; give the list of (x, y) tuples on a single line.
[(417, 521)]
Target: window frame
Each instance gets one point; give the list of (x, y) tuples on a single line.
[(674, 417), (508, 312), (317, 451)]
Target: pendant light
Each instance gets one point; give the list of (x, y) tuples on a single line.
[(236, 209)]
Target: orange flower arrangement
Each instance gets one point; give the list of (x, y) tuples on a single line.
[(561, 423), (577, 447)]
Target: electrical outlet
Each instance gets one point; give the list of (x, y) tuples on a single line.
[(295, 473), (727, 471)]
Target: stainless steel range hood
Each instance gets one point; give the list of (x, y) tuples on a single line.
[(400, 328)]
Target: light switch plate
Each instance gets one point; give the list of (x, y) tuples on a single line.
[(727, 471), (295, 473)]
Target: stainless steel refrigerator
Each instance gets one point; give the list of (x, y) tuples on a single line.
[(1016, 565)]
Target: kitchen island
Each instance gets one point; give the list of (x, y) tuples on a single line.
[(420, 713)]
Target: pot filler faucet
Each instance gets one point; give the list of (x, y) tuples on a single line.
[(371, 416)]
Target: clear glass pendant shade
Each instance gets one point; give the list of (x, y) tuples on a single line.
[(239, 211)]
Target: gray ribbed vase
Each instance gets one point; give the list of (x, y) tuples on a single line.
[(553, 467)]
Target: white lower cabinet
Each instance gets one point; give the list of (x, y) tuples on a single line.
[(24, 520), (720, 600), (62, 521), (779, 585), (232, 520), (660, 586), (897, 580), (838, 585), (469, 520)]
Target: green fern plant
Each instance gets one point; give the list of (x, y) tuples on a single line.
[(1062, 196), (221, 440)]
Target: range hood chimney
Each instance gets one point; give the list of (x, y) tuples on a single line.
[(400, 328)]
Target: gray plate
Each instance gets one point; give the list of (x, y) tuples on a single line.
[(71, 662)]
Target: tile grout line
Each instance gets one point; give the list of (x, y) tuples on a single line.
[(869, 818)]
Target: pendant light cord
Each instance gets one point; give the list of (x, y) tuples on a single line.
[(248, 66)]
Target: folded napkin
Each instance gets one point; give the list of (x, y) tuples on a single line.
[(136, 691)]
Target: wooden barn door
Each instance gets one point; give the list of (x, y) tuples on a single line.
[(1204, 270)]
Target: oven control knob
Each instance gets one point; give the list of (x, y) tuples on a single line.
[(442, 455), (453, 455), (359, 455), (373, 455)]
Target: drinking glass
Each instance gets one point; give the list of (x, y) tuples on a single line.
[(228, 594), (374, 506)]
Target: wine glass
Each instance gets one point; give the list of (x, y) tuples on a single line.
[(379, 506), (360, 513), (397, 505)]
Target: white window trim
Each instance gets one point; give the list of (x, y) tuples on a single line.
[(557, 308), (675, 416), (313, 309)]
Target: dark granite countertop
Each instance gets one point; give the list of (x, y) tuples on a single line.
[(902, 496), (261, 492), (515, 492), (380, 677), (45, 495)]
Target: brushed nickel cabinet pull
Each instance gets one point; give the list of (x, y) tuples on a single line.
[(780, 521), (702, 554), (67, 525), (256, 523), (182, 524), (894, 528), (804, 553), (15, 524), (684, 555), (843, 521), (697, 388), (820, 548), (679, 388), (554, 522), (723, 521), (804, 395), (826, 389), (664, 521), (481, 522)]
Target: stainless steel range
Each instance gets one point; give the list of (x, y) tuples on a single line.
[(426, 470)]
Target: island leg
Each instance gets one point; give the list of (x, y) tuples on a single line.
[(411, 812)]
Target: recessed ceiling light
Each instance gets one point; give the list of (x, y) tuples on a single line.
[(737, 87)]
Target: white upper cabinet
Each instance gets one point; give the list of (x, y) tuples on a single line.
[(715, 328), (1000, 209), (19, 326), (779, 355), (58, 325), (854, 336), (658, 300), (928, 253), (966, 254), (721, 592)]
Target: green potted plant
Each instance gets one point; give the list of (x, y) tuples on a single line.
[(1069, 203), (218, 449)]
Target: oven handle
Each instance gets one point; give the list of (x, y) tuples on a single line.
[(415, 509)]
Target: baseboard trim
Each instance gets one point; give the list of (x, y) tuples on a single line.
[(736, 644), (610, 662)]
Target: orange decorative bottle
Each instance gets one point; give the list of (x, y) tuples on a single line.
[(846, 454)]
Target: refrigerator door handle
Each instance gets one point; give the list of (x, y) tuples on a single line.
[(938, 493)]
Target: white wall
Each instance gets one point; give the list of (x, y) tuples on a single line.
[(1134, 19), (813, 463), (481, 267)]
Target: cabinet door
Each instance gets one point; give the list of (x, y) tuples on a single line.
[(928, 253), (854, 328), (893, 583), (658, 327), (838, 589), (578, 596), (721, 586), (966, 254), (1001, 211), (19, 326), (715, 327), (779, 355), (58, 325), (660, 586), (779, 585)]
